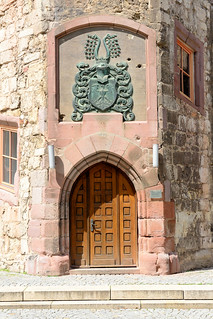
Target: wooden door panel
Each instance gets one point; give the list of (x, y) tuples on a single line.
[(79, 246), (105, 196), (128, 230), (103, 209)]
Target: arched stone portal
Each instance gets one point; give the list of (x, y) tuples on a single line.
[(121, 169), (106, 138)]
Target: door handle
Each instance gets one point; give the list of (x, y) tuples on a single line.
[(92, 225)]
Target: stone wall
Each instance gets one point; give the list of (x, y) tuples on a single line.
[(186, 137), (184, 134), (22, 95)]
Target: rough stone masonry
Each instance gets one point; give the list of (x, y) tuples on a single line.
[(184, 134)]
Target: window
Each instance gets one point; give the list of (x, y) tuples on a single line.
[(185, 66), (189, 70), (8, 156)]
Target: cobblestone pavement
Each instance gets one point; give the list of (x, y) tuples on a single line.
[(199, 277), (107, 314), (204, 276)]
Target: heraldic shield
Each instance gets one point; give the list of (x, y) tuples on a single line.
[(102, 87), (102, 95)]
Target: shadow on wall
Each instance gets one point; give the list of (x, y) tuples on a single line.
[(59, 165)]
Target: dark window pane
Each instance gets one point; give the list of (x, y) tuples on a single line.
[(6, 145), (185, 61), (13, 170), (186, 85), (14, 144), (179, 56), (6, 175), (181, 84)]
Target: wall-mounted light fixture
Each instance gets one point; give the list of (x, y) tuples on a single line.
[(51, 156), (155, 155)]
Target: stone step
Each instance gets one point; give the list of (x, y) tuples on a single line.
[(109, 304), (128, 296)]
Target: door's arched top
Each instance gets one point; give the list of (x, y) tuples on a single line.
[(105, 157)]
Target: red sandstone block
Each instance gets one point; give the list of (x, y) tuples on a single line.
[(73, 154), (150, 178), (163, 264), (141, 195), (50, 228), (169, 210), (155, 209), (53, 265), (132, 153), (102, 122), (129, 24), (170, 227), (34, 229), (102, 141), (31, 265), (51, 48), (51, 245), (104, 20), (142, 210), (158, 244), (37, 211), (169, 245), (147, 31), (37, 245), (142, 226), (43, 266), (155, 227), (51, 195), (174, 264), (51, 79), (148, 264), (85, 146), (51, 211), (60, 265), (154, 244), (119, 145)]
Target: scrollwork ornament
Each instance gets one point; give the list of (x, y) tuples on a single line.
[(102, 87)]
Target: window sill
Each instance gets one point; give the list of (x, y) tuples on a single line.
[(187, 100), (7, 196)]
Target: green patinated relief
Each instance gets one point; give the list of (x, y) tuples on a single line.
[(102, 87)]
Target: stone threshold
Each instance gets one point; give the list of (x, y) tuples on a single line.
[(105, 271)]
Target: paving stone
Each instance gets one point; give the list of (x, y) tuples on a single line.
[(106, 314), (196, 277)]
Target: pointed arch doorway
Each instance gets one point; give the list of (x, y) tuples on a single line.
[(103, 222)]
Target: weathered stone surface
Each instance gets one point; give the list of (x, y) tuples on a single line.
[(184, 134)]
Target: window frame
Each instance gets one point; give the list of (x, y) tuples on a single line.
[(190, 74), (3, 184), (196, 47)]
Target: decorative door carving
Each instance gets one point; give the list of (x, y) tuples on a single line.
[(103, 219)]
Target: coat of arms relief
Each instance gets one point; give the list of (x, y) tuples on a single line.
[(102, 87)]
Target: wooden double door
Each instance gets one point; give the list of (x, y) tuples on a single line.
[(103, 223)]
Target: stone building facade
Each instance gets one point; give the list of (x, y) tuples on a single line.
[(157, 220)]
